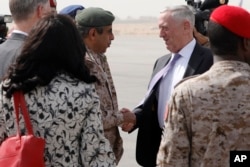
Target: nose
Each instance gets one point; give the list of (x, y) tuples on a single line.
[(112, 36), (162, 33)]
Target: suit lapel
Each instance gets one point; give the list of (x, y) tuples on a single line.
[(161, 63), (194, 62)]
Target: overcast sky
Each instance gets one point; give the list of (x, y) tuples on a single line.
[(124, 8)]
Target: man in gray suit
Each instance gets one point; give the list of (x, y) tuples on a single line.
[(187, 58), (25, 14)]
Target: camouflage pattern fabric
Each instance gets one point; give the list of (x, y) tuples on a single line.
[(208, 116), (105, 88)]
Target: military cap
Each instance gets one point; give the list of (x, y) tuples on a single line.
[(233, 18), (94, 17), (71, 10), (209, 4)]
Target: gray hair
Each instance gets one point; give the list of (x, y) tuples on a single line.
[(181, 12), (84, 31), (21, 9)]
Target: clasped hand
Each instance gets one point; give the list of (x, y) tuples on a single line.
[(129, 120)]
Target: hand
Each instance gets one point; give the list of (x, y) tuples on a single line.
[(128, 116), (126, 127), (129, 119)]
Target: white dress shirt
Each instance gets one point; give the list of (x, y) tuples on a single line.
[(20, 32), (172, 78)]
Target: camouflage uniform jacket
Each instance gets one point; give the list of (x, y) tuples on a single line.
[(208, 116), (105, 88)]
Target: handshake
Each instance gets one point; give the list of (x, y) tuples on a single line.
[(129, 120)]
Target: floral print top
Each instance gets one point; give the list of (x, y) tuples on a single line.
[(66, 114)]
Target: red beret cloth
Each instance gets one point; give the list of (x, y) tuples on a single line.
[(233, 18), (53, 3)]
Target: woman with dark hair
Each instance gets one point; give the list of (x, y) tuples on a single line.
[(60, 96)]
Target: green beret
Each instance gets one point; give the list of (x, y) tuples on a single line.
[(94, 17)]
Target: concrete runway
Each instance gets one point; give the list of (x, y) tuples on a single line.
[(131, 61)]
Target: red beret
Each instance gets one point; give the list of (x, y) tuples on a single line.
[(233, 18), (53, 3)]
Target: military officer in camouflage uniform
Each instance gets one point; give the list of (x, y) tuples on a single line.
[(209, 115), (95, 26)]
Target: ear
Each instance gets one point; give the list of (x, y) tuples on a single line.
[(246, 45), (244, 50), (186, 25), (92, 33), (39, 11)]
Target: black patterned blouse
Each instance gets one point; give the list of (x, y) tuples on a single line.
[(66, 113)]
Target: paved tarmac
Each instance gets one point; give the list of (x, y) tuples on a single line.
[(131, 60)]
